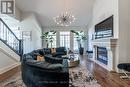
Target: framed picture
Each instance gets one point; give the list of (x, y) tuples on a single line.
[(26, 35)]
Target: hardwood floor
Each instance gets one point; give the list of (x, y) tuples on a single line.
[(104, 77), (9, 73)]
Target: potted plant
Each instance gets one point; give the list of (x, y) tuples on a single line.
[(48, 37), (80, 40)]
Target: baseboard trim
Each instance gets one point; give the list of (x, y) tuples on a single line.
[(5, 69), (9, 72)]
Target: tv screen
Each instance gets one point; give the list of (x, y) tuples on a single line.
[(104, 28)]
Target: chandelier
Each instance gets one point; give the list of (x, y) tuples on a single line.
[(65, 18)]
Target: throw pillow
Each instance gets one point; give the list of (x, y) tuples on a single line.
[(40, 58), (53, 50)]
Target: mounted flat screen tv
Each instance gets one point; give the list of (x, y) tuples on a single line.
[(104, 29)]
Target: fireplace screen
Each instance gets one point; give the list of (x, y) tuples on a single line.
[(102, 55)]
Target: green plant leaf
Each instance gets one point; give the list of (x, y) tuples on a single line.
[(47, 36), (75, 32)]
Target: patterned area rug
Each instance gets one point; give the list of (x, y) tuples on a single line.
[(79, 77), (14, 81)]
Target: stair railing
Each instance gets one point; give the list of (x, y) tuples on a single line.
[(10, 39)]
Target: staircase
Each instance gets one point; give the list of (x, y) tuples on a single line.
[(11, 49), (10, 39)]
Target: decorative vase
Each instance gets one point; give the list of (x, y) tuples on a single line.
[(81, 50)]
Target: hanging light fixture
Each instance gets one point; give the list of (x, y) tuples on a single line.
[(64, 19)]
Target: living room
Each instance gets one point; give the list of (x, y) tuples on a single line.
[(65, 43)]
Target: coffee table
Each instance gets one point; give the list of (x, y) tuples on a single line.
[(73, 60)]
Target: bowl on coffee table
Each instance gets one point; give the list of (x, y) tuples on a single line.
[(73, 60)]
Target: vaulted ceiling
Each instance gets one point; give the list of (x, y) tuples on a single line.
[(45, 10)]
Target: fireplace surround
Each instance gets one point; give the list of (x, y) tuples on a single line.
[(110, 45)]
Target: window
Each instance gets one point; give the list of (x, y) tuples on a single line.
[(65, 39), (53, 44), (75, 41)]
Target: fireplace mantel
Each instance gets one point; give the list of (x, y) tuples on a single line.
[(105, 42), (110, 44)]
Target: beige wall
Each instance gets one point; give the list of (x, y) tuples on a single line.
[(124, 29), (8, 58), (29, 23), (103, 9)]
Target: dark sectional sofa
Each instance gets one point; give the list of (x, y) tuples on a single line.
[(53, 72), (59, 51)]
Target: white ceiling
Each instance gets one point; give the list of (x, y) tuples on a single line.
[(45, 10)]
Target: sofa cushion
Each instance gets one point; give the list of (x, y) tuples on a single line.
[(34, 55), (26, 57), (39, 51), (50, 59), (60, 49), (58, 54), (55, 66), (44, 65), (47, 50)]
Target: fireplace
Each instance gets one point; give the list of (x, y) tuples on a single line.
[(102, 55)]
